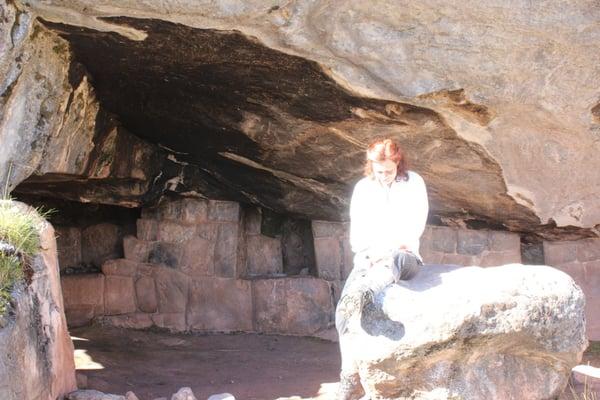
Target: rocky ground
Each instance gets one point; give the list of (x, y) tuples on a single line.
[(259, 367)]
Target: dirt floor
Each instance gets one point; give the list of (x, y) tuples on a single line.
[(249, 366)]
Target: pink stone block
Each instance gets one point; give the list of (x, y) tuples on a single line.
[(137, 250), (459, 259), (174, 322), (223, 211), (496, 258), (68, 244), (121, 267), (220, 304), (270, 305), (175, 232), (197, 258), (129, 321), (145, 291), (504, 242), (119, 295), (171, 289), (591, 290), (83, 291), (328, 229), (328, 255), (263, 255), (588, 250), (557, 253), (147, 229)]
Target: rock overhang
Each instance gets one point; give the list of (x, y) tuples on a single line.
[(257, 125)]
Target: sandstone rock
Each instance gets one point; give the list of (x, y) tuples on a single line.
[(184, 394), (92, 395), (518, 328), (36, 361)]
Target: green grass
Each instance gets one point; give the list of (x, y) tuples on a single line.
[(21, 230)]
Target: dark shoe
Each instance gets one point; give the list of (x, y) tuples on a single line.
[(350, 388)]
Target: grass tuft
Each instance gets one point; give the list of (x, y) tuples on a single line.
[(19, 230)]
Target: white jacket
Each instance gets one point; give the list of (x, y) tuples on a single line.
[(383, 219)]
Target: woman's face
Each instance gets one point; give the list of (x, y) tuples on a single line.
[(384, 172)]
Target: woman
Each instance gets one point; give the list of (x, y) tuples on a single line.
[(388, 212)]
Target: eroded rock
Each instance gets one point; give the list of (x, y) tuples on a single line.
[(520, 329)]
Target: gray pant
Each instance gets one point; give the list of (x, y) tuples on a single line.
[(365, 280)]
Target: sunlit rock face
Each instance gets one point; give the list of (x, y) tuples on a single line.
[(496, 105)]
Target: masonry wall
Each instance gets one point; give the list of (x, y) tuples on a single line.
[(581, 260), (200, 265)]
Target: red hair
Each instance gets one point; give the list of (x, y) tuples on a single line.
[(386, 149)]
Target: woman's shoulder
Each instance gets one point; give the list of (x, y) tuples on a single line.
[(414, 178)]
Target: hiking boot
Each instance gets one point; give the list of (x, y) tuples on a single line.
[(350, 387)]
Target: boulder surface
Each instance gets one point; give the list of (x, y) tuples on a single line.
[(509, 332)]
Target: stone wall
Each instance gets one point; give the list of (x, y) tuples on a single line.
[(201, 265), (581, 260)]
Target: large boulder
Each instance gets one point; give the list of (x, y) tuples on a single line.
[(509, 332), (36, 360)]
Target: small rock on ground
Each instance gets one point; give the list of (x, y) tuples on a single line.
[(184, 393), (222, 396)]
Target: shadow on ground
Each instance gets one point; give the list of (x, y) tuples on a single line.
[(249, 366)]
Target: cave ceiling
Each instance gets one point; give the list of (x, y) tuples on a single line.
[(236, 119)]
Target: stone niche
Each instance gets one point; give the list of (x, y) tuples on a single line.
[(215, 266)]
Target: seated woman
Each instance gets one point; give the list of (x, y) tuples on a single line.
[(388, 212)]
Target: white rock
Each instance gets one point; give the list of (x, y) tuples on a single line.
[(221, 396), (185, 393)]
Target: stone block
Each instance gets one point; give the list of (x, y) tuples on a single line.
[(557, 253), (137, 250), (426, 239), (121, 267), (193, 211), (336, 290), (431, 257), (328, 255), (129, 321), (591, 290), (220, 305), (83, 291), (79, 315), (207, 231), (145, 292), (443, 239), (472, 242), (263, 255), (504, 241), (147, 229), (300, 306), (171, 290), (226, 250), (173, 321), (101, 242), (119, 295), (168, 254), (459, 259), (575, 270), (68, 244), (588, 250), (198, 257), (270, 305), (309, 306), (252, 221), (223, 211), (325, 229), (347, 259), (496, 258), (175, 232)]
